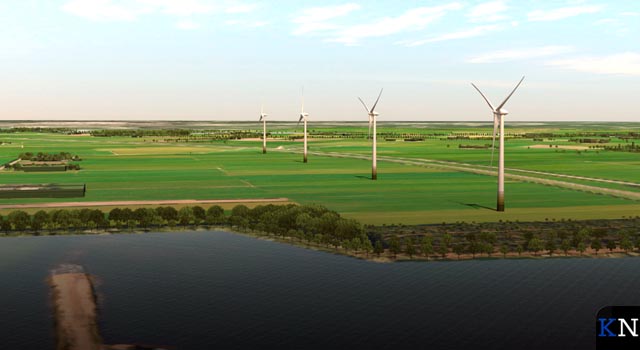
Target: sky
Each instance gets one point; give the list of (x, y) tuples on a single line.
[(223, 59)]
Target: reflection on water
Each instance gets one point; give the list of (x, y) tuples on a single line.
[(199, 290)]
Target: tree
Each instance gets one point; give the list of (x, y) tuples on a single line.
[(40, 220), (394, 246), (535, 245), (378, 248), (565, 245), (19, 219), (409, 247), (367, 247), (596, 245), (582, 247), (487, 248), (458, 249), (551, 245), (427, 246), (504, 250), (185, 216), (519, 249), (611, 245), (5, 226), (199, 215), (215, 215), (443, 249), (626, 244)]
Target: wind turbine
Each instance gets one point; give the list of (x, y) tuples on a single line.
[(372, 121), (303, 117), (263, 119), (498, 119)]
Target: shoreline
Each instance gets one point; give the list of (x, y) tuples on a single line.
[(385, 257)]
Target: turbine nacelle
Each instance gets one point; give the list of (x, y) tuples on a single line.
[(502, 112)]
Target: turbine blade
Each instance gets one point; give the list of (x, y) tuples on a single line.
[(299, 120), (365, 106), (370, 122), (302, 109), (378, 99), (508, 97), (483, 96), (493, 142)]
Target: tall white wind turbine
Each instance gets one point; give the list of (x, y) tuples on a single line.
[(303, 118), (263, 119), (373, 122), (498, 120)]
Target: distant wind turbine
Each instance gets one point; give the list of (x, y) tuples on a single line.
[(263, 119), (303, 117), (498, 119), (373, 122)]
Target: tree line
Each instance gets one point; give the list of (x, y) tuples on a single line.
[(309, 222)]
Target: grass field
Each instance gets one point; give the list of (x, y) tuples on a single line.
[(125, 168)]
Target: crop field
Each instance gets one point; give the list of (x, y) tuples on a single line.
[(430, 181)]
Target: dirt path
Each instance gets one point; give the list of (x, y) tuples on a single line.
[(486, 170), (156, 202), (75, 312)]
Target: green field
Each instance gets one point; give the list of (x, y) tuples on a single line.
[(125, 168)]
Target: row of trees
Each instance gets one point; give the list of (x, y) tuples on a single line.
[(427, 247), (48, 157), (310, 223)]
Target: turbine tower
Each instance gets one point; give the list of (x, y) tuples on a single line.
[(303, 117), (263, 119), (373, 121), (498, 119)]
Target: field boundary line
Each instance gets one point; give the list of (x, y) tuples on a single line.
[(156, 202)]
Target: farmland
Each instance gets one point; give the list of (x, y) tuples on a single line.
[(430, 181)]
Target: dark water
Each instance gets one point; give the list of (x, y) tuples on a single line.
[(215, 290)]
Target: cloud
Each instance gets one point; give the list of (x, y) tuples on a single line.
[(242, 8), (187, 25), (413, 19), (316, 19), (463, 34), (632, 14), (520, 54), (488, 12), (562, 13), (627, 63)]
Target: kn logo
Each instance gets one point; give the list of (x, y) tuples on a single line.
[(617, 328)]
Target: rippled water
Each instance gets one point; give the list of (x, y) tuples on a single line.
[(203, 290)]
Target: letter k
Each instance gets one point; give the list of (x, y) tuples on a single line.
[(605, 326)]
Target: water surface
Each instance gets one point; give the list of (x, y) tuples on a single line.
[(203, 290)]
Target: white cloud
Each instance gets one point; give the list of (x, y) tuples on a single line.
[(187, 25), (316, 19), (632, 14), (413, 19), (242, 8), (180, 7), (562, 13), (520, 54), (488, 12), (627, 63), (463, 34)]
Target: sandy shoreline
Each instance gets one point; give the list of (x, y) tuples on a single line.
[(75, 312)]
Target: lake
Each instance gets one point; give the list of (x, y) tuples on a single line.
[(204, 290)]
